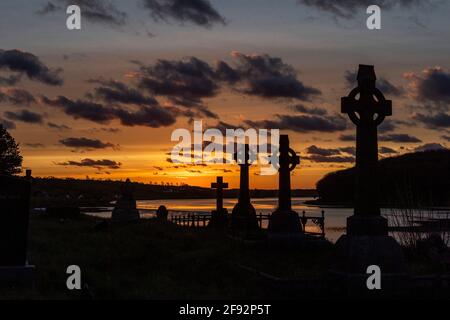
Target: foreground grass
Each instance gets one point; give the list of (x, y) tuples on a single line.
[(154, 261)]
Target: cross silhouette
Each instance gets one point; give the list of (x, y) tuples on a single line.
[(288, 161), (219, 185), (367, 112), (363, 110)]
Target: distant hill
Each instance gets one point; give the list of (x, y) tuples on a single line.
[(100, 192), (410, 180)]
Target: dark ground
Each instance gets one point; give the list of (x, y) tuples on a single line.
[(153, 261)]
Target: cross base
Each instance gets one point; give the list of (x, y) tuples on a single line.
[(219, 219), (285, 222), (354, 253), (367, 226), (243, 218)]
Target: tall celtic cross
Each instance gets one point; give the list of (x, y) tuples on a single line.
[(367, 108), (219, 185), (288, 161)]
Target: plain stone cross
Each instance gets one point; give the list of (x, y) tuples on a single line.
[(288, 161), (367, 113), (244, 163), (219, 185)]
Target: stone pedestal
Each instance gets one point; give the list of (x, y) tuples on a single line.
[(125, 210), (285, 222), (219, 219)]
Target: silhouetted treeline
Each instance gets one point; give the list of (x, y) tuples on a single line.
[(89, 192), (409, 180)]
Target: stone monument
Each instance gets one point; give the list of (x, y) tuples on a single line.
[(219, 217), (284, 220), (367, 241), (125, 209), (243, 216)]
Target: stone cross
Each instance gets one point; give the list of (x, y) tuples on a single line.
[(244, 163), (288, 161), (243, 216), (367, 113), (284, 220), (219, 185)]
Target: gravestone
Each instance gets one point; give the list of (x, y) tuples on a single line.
[(367, 241), (284, 220), (219, 217), (125, 209), (162, 213), (14, 214), (243, 216)]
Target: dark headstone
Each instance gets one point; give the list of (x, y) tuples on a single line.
[(125, 210), (284, 220), (162, 213), (243, 216), (14, 207), (219, 217), (367, 241)]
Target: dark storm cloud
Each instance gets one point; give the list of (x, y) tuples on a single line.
[(436, 121), (314, 150), (199, 12), (432, 85), (154, 117), (56, 126), (191, 79), (309, 110), (34, 145), (85, 143), (185, 83), (399, 137), (348, 8), (270, 77), (81, 109), (150, 116), (349, 150), (302, 123), (331, 159), (347, 137), (24, 116), (386, 87), (95, 11), (387, 126), (98, 164), (11, 80), (8, 125), (386, 150), (16, 96), (430, 147), (188, 82), (30, 65), (112, 91)]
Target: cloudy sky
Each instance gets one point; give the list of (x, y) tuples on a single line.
[(103, 101)]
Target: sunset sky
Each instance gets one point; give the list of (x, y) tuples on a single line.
[(103, 101)]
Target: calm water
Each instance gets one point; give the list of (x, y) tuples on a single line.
[(335, 218)]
